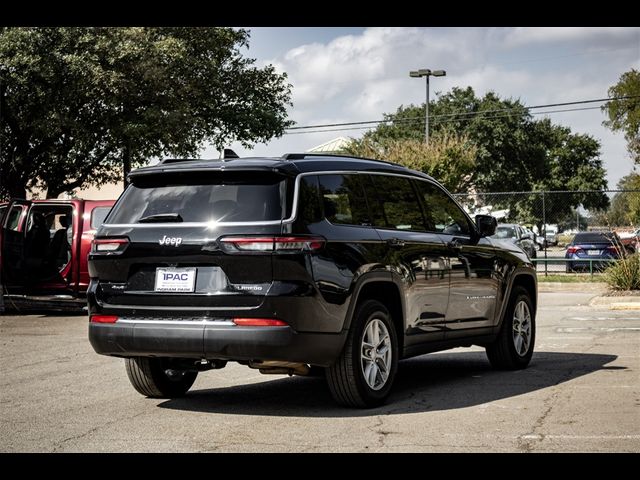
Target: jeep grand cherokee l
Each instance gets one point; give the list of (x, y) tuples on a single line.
[(294, 263)]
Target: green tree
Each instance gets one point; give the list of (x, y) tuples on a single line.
[(80, 105), (625, 206), (571, 162), (505, 160), (514, 152), (448, 157), (624, 115)]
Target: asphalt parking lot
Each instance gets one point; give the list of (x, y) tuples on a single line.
[(581, 393)]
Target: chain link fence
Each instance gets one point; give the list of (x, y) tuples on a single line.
[(549, 220)]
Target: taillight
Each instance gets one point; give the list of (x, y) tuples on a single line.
[(573, 249), (613, 249), (259, 322), (277, 244), (109, 246), (103, 318)]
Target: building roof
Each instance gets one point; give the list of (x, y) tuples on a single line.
[(332, 146)]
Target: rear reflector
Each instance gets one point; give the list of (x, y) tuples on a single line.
[(271, 244), (104, 318), (259, 322)]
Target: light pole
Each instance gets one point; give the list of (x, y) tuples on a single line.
[(425, 72)]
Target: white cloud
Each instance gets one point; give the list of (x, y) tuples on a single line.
[(360, 77), (588, 36)]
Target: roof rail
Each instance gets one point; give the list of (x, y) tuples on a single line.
[(302, 156), (227, 155), (176, 160)]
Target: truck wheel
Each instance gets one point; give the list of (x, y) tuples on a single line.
[(513, 347), (364, 373), (154, 377)]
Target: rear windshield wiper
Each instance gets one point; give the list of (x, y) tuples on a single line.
[(161, 217)]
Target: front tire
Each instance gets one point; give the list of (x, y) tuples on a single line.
[(513, 348), (154, 377), (363, 375)]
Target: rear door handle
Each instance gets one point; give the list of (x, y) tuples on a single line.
[(395, 242)]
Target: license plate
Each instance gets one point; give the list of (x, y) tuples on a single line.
[(593, 252), (175, 279)]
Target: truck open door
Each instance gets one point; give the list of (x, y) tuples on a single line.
[(13, 245)]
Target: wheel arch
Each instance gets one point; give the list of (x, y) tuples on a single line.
[(526, 279), (381, 287)]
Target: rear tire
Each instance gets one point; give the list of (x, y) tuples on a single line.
[(154, 377), (513, 348), (363, 375)]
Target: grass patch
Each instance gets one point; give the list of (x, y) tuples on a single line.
[(571, 278)]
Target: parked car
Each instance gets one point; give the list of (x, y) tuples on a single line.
[(518, 236), (551, 235), (283, 264), (538, 242), (45, 244), (589, 246), (631, 241)]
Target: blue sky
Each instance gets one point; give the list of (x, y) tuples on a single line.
[(355, 74)]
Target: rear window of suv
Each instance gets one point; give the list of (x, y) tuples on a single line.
[(204, 197)]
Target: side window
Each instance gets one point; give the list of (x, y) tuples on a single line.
[(394, 203), (98, 215), (442, 214), (343, 199), (309, 210), (13, 222)]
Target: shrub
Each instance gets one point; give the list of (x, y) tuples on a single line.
[(624, 274)]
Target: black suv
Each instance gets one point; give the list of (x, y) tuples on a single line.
[(294, 263)]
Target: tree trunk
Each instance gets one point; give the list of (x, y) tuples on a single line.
[(126, 164), (53, 193)]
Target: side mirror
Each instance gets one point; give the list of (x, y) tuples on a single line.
[(486, 225), (528, 236)]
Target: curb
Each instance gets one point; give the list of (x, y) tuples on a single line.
[(616, 303), (559, 287), (625, 306)]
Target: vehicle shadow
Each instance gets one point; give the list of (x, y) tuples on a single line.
[(427, 383), (43, 312)]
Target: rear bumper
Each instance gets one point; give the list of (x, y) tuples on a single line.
[(226, 342), (585, 263)]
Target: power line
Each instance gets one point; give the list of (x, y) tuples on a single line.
[(463, 114), (421, 120), (507, 114)]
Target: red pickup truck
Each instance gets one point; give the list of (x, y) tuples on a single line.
[(630, 240), (44, 248)]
